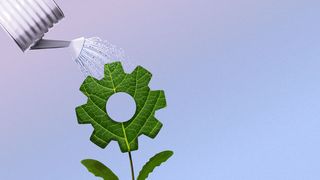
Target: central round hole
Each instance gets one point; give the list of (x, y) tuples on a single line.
[(121, 107)]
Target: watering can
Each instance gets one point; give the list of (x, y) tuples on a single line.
[(26, 21)]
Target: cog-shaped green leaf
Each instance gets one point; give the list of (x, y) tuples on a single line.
[(98, 93)]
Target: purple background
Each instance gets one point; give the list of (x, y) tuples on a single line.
[(241, 80)]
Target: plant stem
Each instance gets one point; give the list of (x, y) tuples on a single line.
[(131, 165)]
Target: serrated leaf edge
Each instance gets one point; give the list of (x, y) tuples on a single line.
[(110, 172), (145, 171)]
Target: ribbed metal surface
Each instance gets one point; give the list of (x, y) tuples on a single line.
[(28, 20)]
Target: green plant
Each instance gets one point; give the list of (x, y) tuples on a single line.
[(125, 133)]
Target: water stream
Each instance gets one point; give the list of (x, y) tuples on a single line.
[(95, 53)]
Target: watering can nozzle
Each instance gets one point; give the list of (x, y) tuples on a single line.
[(50, 44)]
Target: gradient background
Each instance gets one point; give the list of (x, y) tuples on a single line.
[(241, 79)]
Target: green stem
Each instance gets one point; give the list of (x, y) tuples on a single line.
[(131, 165)]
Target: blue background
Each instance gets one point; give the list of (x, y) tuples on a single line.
[(241, 79)]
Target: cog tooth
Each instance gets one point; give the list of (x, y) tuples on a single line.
[(113, 67), (87, 85), (123, 145), (161, 103), (82, 116), (98, 141), (114, 73), (142, 76), (92, 86), (132, 145), (152, 127)]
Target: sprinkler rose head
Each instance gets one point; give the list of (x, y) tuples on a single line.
[(26, 21), (76, 47), (91, 54)]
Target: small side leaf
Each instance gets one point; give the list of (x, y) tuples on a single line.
[(155, 161), (99, 169)]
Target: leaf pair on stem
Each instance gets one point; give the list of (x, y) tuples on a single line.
[(100, 170)]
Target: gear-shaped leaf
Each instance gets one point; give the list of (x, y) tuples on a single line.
[(134, 84)]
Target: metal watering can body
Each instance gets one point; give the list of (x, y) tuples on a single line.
[(26, 21)]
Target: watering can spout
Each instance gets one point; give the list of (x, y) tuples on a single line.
[(75, 45), (50, 44)]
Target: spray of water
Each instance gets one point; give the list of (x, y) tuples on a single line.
[(94, 53)]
